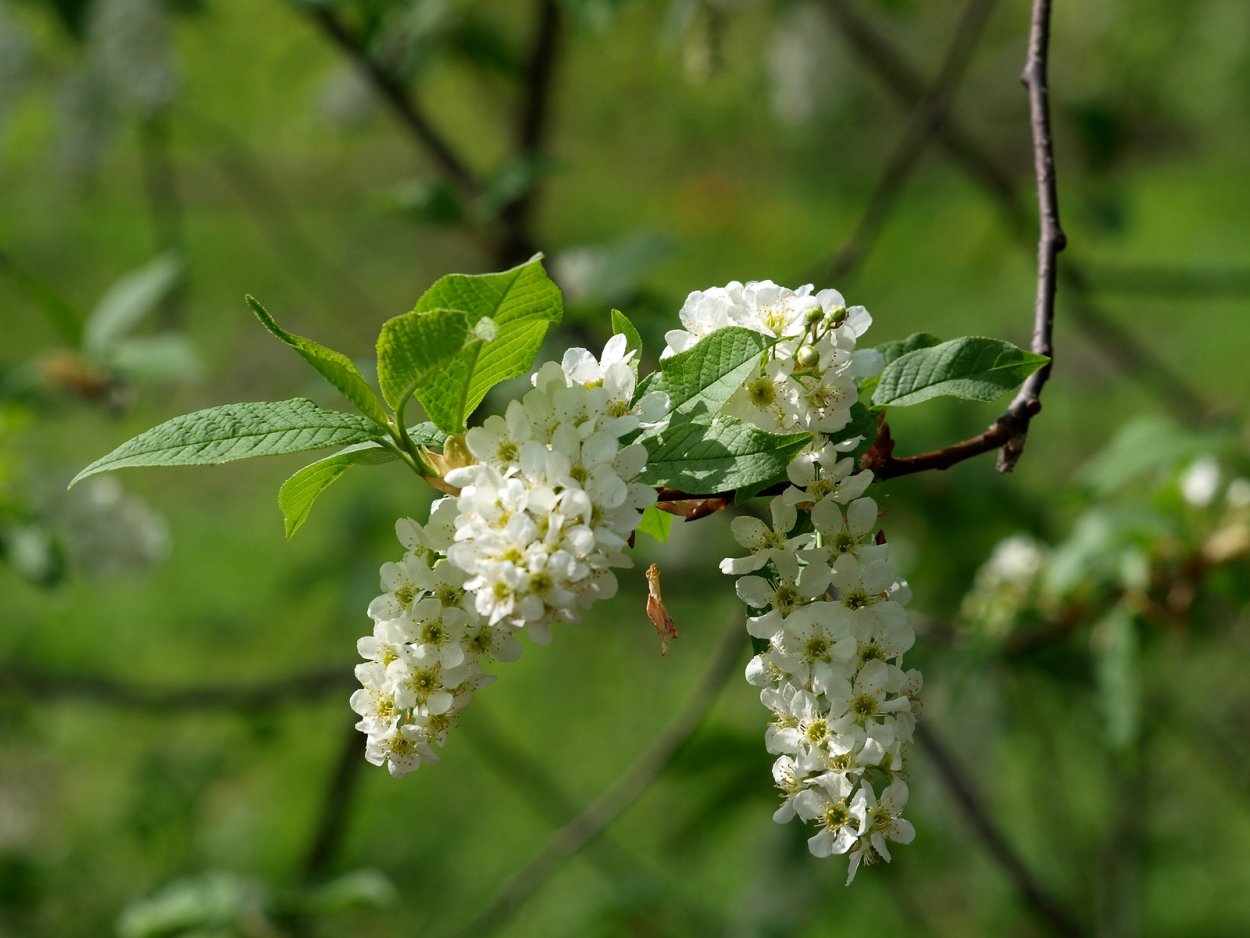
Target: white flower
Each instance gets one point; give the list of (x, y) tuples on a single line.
[(766, 543), (880, 821), (825, 804)]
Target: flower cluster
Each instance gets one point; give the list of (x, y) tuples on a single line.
[(806, 381), (549, 506), (543, 515), (423, 660), (828, 614)]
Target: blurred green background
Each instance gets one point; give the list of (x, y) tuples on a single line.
[(176, 752)]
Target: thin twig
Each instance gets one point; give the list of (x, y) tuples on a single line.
[(546, 795), (1043, 905), (605, 809), (926, 118), (160, 182), (1051, 239), (263, 196), (331, 820), (533, 119), (270, 694), (394, 92), (1010, 431), (1137, 359)]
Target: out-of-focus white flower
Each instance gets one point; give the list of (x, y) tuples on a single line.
[(1200, 482)]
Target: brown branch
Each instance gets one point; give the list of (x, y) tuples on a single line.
[(392, 90), (160, 182), (1030, 891), (28, 684), (1009, 432), (1051, 239), (533, 119), (604, 810), (1137, 359), (927, 117)]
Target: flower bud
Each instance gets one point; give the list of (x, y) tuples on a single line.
[(836, 316), (807, 357)]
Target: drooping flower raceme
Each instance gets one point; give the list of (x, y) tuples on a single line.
[(542, 518), (829, 606)]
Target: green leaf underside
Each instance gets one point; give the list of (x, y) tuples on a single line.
[(728, 454), (896, 349), (522, 302), (621, 325), (300, 491), (297, 494), (332, 365), (972, 368), (700, 380), (415, 346), (655, 523), (237, 431), (128, 301)]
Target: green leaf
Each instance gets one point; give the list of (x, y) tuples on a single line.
[(297, 494), (1119, 685), (622, 326), (63, 315), (705, 459), (655, 523), (1144, 446), (166, 356), (334, 366), (128, 301), (700, 380), (896, 349), (237, 431), (520, 305), (973, 368), (414, 346), (863, 424)]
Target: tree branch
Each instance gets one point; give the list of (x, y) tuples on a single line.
[(927, 116), (533, 119), (266, 695), (605, 809), (392, 90), (883, 59), (1043, 905)]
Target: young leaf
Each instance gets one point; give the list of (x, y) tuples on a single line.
[(237, 431), (728, 454), (973, 368), (297, 494), (520, 304), (658, 524), (622, 326), (128, 301), (414, 346), (334, 366), (700, 380)]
